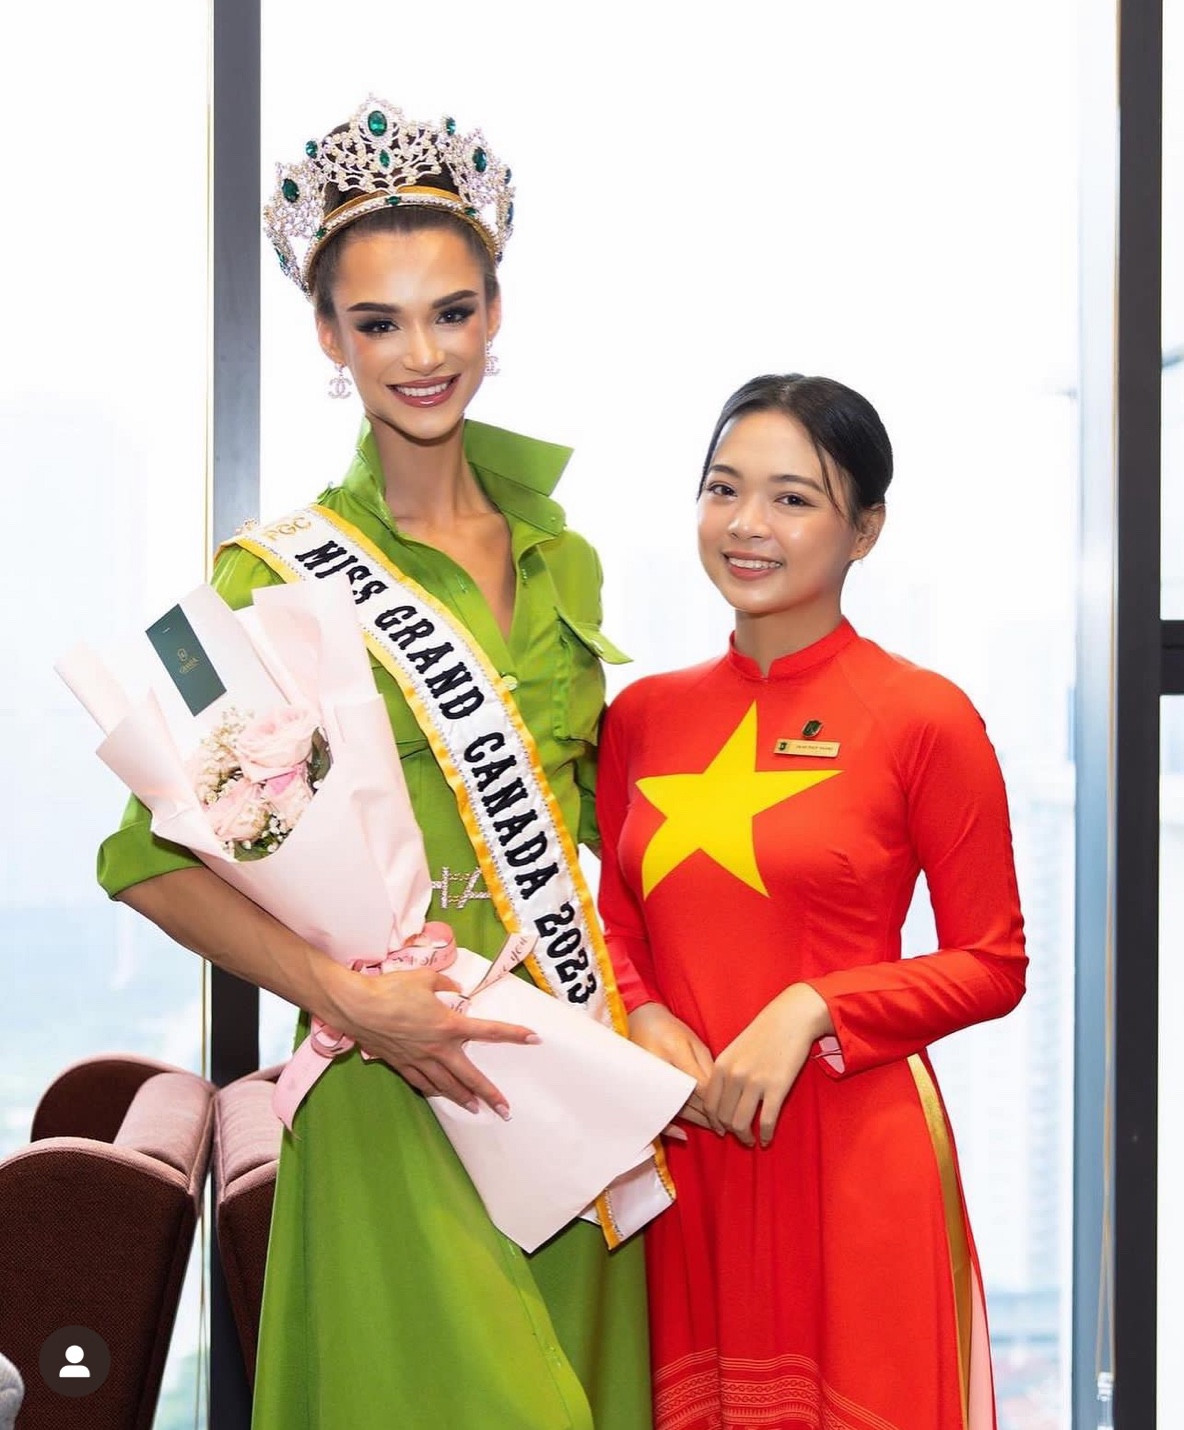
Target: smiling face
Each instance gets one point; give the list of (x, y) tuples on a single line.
[(771, 537), (410, 320)]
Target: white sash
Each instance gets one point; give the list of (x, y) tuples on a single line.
[(489, 758)]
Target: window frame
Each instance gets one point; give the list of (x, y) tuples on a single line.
[(1127, 656)]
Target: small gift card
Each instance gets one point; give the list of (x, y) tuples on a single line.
[(185, 659)]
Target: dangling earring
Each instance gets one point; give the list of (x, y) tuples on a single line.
[(339, 384), (492, 366)]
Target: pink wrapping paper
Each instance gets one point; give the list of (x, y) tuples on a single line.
[(352, 879)]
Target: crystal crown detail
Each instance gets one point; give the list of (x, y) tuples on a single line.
[(380, 158)]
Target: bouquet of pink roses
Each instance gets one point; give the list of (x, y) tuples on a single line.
[(263, 746), (256, 777)]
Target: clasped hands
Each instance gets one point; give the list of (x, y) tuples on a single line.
[(753, 1075), (403, 1021)]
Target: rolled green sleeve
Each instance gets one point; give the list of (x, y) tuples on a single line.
[(133, 853)]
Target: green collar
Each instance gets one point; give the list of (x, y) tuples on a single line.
[(518, 473)]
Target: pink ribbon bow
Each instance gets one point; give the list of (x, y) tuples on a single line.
[(433, 947)]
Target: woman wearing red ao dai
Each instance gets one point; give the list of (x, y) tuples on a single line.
[(818, 1268)]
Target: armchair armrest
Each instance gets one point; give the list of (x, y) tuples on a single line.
[(247, 1137), (91, 1097)]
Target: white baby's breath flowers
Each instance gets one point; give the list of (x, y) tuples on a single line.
[(252, 814)]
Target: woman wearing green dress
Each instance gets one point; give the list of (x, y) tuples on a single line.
[(390, 1298)]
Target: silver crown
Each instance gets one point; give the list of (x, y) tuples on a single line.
[(383, 158)]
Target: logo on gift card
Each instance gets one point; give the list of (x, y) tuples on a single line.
[(183, 656)]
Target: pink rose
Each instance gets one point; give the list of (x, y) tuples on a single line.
[(289, 795), (240, 812), (277, 742)]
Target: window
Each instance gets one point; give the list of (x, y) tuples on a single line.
[(103, 431), (768, 193)]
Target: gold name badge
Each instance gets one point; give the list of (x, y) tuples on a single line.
[(820, 749)]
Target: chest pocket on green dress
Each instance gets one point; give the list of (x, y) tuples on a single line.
[(578, 688)]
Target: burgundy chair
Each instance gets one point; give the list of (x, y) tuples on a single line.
[(97, 1219), (247, 1137)]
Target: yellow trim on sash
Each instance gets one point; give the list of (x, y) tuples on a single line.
[(455, 781), (501, 901), (955, 1214)]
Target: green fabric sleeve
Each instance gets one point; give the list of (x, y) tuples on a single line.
[(133, 853)]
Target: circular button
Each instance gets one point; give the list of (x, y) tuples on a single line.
[(510, 682), (74, 1361)]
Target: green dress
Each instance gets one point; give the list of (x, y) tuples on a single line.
[(390, 1298)]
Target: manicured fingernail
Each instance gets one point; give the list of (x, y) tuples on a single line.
[(502, 1111), (473, 1106), (533, 1038)]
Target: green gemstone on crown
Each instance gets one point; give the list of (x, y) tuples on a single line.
[(480, 160), (311, 149), (320, 233), (384, 159), (376, 123), (290, 190), (450, 125), (510, 216), (471, 212), (283, 258), (394, 199)]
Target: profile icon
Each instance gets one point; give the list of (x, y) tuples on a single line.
[(75, 1367), (74, 1361)]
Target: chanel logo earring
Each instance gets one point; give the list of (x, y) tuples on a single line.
[(492, 366), (339, 383)]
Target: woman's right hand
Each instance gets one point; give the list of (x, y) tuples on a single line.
[(399, 1018), (655, 1028)]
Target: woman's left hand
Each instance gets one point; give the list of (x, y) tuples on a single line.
[(758, 1068)]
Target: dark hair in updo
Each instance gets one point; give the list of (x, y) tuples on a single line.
[(842, 425), (406, 218)]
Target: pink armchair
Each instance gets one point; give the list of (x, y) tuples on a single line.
[(246, 1151), (97, 1219)]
